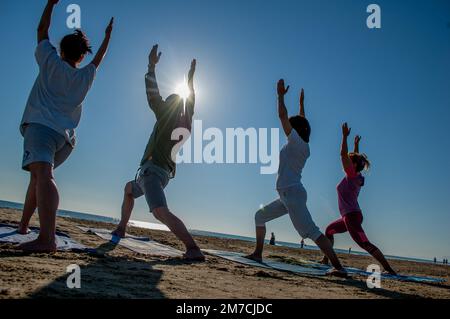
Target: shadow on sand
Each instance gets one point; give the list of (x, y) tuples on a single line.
[(110, 277)]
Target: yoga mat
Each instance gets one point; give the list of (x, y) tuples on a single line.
[(313, 268), (356, 271), (8, 234), (267, 264), (142, 245)]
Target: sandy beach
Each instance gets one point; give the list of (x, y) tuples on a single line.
[(116, 272)]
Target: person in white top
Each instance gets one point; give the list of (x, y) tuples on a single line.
[(48, 125), (292, 195)]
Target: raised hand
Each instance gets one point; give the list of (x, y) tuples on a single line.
[(357, 140), (302, 103), (282, 91), (110, 26), (193, 67), (191, 74), (302, 98), (346, 130), (154, 55)]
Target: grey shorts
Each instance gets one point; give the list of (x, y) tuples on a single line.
[(292, 201), (151, 182), (41, 144)]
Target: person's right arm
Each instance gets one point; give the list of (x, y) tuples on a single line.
[(153, 96), (282, 111), (347, 163), (44, 24)]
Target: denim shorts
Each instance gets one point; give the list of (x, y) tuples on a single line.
[(151, 182), (44, 145)]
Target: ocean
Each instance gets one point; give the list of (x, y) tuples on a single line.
[(155, 226)]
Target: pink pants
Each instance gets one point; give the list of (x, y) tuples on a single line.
[(352, 223)]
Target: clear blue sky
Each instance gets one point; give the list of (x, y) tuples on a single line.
[(391, 85)]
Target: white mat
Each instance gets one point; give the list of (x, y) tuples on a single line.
[(142, 245)]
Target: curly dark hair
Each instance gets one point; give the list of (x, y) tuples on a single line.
[(75, 45)]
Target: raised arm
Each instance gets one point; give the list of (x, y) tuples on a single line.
[(357, 140), (346, 161), (44, 24), (302, 103), (104, 47), (282, 111), (153, 96)]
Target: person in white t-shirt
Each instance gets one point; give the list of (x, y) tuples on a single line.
[(48, 125), (292, 195)]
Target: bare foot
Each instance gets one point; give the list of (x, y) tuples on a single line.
[(38, 246), (194, 254), (324, 261), (22, 230), (342, 273), (255, 257), (119, 232)]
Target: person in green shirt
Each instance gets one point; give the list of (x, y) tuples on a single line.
[(158, 166)]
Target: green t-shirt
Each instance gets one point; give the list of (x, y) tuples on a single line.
[(170, 115)]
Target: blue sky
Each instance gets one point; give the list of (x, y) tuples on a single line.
[(391, 85)]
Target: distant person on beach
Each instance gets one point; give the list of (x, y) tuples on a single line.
[(158, 166), (350, 250), (434, 260), (272, 240), (348, 192), (302, 243), (51, 115), (293, 196)]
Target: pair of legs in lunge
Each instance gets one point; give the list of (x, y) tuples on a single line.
[(292, 202), (352, 223), (151, 183)]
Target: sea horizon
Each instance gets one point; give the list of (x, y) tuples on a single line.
[(205, 233)]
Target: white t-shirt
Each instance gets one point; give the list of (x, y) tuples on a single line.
[(58, 93), (293, 157)]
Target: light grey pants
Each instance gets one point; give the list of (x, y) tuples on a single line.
[(292, 201)]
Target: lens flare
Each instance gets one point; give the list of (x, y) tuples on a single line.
[(183, 90)]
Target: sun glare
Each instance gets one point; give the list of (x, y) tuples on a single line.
[(182, 90)]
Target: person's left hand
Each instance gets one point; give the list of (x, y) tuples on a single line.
[(109, 28), (193, 68), (302, 98)]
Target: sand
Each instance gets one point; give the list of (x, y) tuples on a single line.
[(116, 272)]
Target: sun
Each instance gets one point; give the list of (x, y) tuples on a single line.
[(183, 90)]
